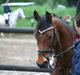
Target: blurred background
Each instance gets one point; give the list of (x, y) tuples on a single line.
[(59, 7)]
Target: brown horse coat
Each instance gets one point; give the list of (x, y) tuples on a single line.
[(64, 37)]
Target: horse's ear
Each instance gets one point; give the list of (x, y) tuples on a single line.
[(36, 16), (48, 17)]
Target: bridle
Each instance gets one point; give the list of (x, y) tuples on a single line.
[(49, 50), (55, 39)]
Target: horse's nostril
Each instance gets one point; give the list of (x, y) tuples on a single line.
[(44, 65), (46, 62)]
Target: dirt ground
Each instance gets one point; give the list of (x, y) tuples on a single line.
[(18, 49)]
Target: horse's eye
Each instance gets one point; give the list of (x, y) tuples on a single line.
[(50, 36)]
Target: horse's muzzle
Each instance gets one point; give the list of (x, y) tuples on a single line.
[(42, 61)]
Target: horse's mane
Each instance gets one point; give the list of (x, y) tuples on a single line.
[(65, 24)]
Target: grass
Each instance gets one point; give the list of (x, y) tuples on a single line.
[(28, 10), (1, 10)]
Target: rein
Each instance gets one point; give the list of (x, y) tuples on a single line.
[(57, 55), (64, 51)]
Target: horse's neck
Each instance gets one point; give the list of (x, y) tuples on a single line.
[(66, 41), (60, 26), (65, 34), (13, 17)]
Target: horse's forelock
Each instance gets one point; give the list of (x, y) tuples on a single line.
[(43, 24)]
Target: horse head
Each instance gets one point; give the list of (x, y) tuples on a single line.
[(44, 36), (21, 13)]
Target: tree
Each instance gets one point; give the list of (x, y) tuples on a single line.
[(40, 2)]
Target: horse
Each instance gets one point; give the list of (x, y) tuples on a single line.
[(19, 13), (55, 43)]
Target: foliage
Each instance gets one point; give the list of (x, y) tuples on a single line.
[(29, 12), (41, 9), (40, 2), (2, 1), (20, 0), (59, 2), (1, 10)]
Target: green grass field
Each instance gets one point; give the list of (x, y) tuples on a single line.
[(28, 10)]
